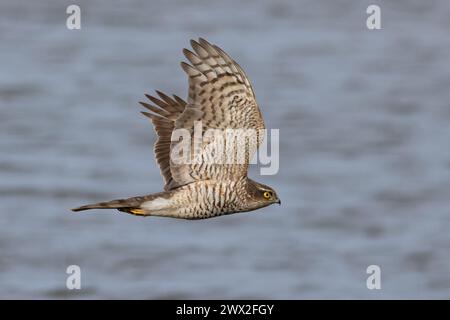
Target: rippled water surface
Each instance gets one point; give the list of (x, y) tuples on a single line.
[(364, 153)]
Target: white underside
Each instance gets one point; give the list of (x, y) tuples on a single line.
[(156, 204)]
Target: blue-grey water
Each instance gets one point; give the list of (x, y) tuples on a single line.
[(364, 150)]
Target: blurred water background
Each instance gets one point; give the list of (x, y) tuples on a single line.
[(364, 154)]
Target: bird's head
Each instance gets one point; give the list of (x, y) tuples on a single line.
[(261, 195)]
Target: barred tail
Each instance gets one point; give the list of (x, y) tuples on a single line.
[(115, 204)]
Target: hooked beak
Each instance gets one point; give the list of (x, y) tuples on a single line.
[(279, 202)]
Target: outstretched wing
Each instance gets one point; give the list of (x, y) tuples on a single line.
[(220, 97), (165, 111)]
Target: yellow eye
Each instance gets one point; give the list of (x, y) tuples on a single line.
[(267, 195)]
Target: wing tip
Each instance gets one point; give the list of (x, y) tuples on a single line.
[(147, 114)]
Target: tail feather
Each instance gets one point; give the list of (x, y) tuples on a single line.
[(114, 204)]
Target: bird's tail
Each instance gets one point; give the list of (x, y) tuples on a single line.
[(157, 204), (120, 204)]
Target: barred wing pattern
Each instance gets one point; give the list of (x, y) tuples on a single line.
[(164, 113), (221, 97)]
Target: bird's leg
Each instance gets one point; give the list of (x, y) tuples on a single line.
[(135, 211)]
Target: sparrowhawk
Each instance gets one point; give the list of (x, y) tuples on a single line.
[(205, 184)]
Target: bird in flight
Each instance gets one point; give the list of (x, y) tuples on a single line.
[(220, 98)]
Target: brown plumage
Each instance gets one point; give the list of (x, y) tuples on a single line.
[(220, 97)]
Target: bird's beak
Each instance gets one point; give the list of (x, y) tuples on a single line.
[(279, 202)]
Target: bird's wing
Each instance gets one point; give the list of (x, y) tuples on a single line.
[(221, 97), (164, 111)]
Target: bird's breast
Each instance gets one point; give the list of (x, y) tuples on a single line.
[(205, 199)]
